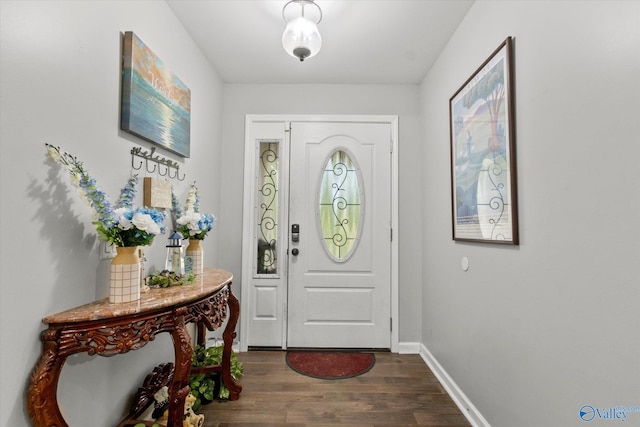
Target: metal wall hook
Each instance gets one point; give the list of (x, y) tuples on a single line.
[(133, 166), (166, 172), (177, 175), (147, 167), (150, 156)]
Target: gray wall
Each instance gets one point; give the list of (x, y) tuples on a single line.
[(530, 333), (401, 100), (60, 67), (533, 333)]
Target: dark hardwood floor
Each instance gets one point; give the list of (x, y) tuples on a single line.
[(400, 390)]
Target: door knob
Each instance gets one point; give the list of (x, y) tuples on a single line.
[(295, 251)]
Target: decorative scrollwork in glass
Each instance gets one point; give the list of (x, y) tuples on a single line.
[(339, 207), (268, 208)]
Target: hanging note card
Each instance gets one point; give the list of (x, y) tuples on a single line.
[(157, 193)]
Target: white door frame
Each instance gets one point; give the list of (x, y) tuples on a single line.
[(248, 204)]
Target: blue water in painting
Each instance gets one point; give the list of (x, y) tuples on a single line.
[(153, 117)]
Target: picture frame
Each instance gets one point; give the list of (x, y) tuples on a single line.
[(155, 103), (483, 159)]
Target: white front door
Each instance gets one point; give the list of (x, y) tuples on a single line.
[(336, 285), (339, 276)]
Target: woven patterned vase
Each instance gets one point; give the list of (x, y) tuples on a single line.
[(125, 275), (193, 259)]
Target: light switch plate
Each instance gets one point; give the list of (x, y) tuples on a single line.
[(107, 250)]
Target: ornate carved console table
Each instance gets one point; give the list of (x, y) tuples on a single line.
[(110, 329)]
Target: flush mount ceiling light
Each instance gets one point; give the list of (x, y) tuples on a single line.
[(301, 38)]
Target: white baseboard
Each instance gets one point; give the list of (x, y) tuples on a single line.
[(459, 398), (409, 348)]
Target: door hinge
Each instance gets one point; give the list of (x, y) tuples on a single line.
[(391, 146), (391, 324), (391, 235)]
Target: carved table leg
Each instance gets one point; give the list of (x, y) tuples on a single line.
[(42, 401), (180, 385), (228, 335), (201, 331)]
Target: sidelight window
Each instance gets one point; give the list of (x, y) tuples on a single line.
[(267, 207)]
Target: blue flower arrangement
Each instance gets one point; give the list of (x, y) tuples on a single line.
[(191, 223), (122, 225)]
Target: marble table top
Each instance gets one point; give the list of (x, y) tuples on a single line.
[(153, 299)]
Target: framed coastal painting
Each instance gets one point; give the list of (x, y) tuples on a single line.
[(156, 104), (483, 162)]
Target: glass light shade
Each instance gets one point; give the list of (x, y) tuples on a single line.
[(301, 38)]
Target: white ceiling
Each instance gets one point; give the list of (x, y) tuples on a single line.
[(374, 41)]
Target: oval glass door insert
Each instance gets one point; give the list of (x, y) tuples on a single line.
[(339, 206)]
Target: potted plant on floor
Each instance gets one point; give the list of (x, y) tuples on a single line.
[(207, 387)]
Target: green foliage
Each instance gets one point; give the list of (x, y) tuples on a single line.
[(165, 278), (203, 385)]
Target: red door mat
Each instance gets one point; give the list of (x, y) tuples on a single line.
[(330, 365)]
